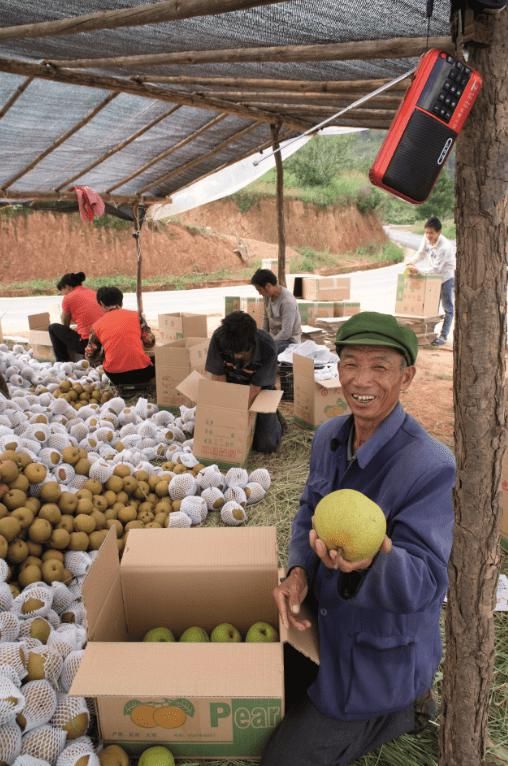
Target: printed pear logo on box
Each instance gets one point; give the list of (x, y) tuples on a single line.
[(166, 713)]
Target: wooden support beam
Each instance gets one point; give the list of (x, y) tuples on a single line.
[(152, 13), (124, 85), (301, 86), (335, 99), (197, 160), (167, 152), (396, 47), (114, 199), (61, 139), (309, 109), (117, 148), (17, 93), (279, 189)]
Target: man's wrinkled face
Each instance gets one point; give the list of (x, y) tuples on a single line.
[(372, 378), (432, 235)]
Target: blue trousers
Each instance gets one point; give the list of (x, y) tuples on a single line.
[(447, 291)]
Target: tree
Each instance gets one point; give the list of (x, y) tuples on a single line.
[(441, 201), (479, 397)]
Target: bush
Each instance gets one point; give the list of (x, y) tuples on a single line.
[(441, 202), (368, 199)]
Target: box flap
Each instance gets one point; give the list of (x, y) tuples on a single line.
[(215, 393), (100, 578), (266, 401), (189, 386), (140, 669), (38, 321), (306, 642), (303, 366)]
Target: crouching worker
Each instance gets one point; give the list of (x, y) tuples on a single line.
[(118, 341), (240, 353), (79, 307), (378, 618)]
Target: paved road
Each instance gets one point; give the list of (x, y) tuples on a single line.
[(374, 289)]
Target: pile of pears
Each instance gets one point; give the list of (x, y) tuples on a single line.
[(35, 532), (80, 394), (225, 632)]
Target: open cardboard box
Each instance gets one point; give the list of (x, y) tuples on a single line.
[(315, 401), (173, 362), (210, 700), (225, 422), (181, 325), (38, 336)]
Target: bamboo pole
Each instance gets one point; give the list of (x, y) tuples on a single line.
[(336, 99), (168, 152), (281, 226), (329, 86), (359, 113), (123, 85), (117, 148), (139, 257), (396, 47), (61, 139), (114, 199), (197, 160), (17, 93), (153, 13)]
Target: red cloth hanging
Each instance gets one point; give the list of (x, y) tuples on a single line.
[(89, 202)]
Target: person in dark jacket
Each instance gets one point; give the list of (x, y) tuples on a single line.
[(378, 619), (241, 353)]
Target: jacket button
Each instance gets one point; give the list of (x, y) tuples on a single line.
[(323, 612)]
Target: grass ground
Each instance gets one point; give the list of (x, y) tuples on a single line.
[(288, 469)]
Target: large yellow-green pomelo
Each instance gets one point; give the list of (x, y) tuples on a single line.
[(349, 520)]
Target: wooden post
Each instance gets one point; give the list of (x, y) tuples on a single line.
[(281, 229), (479, 398), (139, 258)]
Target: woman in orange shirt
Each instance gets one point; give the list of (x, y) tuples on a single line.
[(79, 307), (118, 340)]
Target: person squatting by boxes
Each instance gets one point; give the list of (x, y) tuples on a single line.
[(241, 353), (282, 317), (118, 341), (79, 307), (378, 618)]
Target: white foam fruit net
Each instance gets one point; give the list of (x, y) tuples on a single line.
[(40, 704), (81, 748), (29, 760), (5, 596), (12, 701), (70, 668), (71, 715), (50, 667), (11, 653), (45, 742), (9, 626), (10, 742), (34, 601)]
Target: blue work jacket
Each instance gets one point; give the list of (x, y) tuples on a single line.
[(379, 641)]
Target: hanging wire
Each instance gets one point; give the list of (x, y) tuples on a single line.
[(356, 103)]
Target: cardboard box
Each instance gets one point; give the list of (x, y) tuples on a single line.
[(38, 336), (346, 308), (312, 310), (315, 401), (224, 421), (173, 362), (183, 325), (418, 295), (314, 287), (222, 700), (255, 307)]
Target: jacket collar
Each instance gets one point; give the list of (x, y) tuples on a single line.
[(385, 431)]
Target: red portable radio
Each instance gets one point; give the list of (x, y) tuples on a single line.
[(425, 126)]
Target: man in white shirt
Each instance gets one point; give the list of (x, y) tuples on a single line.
[(436, 255)]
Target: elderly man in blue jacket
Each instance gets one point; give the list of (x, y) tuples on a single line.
[(378, 618)]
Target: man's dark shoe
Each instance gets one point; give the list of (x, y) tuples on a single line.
[(438, 342), (425, 711)]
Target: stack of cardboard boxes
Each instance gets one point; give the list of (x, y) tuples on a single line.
[(202, 700), (417, 304), (255, 307)]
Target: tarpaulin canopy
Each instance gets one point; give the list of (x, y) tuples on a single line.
[(140, 99)]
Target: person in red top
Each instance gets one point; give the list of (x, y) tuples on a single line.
[(118, 339), (79, 307)]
